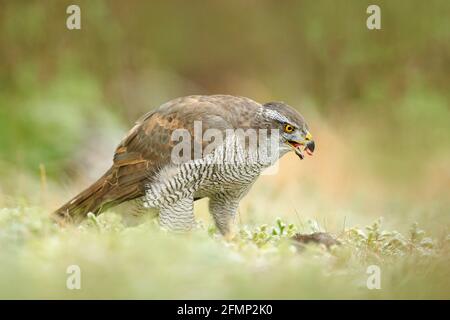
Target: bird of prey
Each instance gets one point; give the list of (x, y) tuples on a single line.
[(154, 164)]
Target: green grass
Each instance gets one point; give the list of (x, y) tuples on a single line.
[(144, 262)]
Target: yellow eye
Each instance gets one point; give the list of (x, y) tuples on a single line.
[(288, 128)]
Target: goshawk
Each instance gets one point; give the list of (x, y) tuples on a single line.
[(191, 148)]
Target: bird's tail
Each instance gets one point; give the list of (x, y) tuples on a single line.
[(101, 195)]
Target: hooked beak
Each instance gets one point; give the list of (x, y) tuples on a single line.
[(305, 145)]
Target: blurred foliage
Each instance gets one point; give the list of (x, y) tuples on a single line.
[(56, 84), (118, 261)]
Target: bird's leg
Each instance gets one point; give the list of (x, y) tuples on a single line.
[(178, 216), (223, 208)]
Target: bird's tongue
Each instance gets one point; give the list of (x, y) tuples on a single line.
[(299, 149)]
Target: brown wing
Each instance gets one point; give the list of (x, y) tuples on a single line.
[(145, 150), (148, 146)]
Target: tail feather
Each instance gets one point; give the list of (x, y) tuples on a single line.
[(106, 192)]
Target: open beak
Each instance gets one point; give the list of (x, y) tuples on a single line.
[(307, 145)]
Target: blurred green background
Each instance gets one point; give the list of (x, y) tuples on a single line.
[(377, 101)]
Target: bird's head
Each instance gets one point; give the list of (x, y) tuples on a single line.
[(294, 132)]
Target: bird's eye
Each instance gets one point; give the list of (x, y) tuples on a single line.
[(288, 128)]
